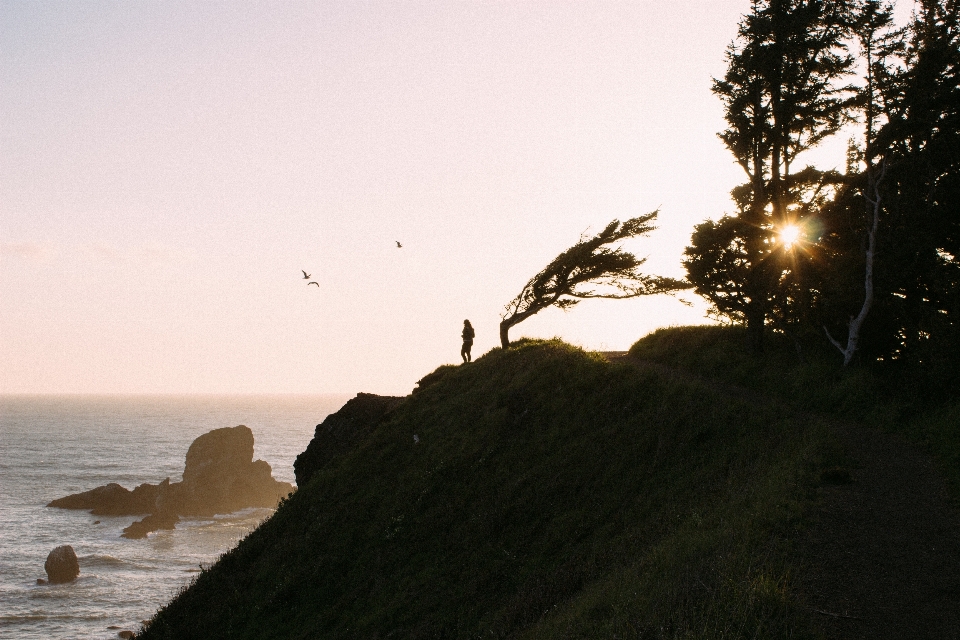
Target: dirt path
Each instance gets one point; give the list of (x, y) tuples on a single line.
[(881, 557), (885, 549)]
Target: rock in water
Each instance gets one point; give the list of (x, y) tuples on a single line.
[(62, 565), (153, 522), (220, 476), (111, 500)]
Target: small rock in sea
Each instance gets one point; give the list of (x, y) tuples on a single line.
[(126, 634), (154, 522), (114, 627), (41, 581), (62, 565), (96, 522)]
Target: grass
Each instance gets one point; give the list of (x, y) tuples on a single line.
[(551, 494), (918, 404)]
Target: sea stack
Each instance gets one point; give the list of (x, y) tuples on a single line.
[(220, 476), (62, 565)]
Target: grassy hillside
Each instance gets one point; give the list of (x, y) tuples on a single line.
[(547, 494)]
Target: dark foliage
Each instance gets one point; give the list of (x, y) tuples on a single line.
[(781, 98), (877, 269)]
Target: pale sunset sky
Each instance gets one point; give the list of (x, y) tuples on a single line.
[(167, 168)]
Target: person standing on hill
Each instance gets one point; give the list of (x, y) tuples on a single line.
[(467, 340)]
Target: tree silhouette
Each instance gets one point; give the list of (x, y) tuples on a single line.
[(781, 97), (891, 290), (589, 269), (878, 40)]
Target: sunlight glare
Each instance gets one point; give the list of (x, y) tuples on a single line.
[(789, 235)]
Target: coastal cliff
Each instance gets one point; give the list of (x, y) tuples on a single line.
[(341, 431), (546, 492), (536, 489)]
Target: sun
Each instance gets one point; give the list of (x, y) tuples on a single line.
[(790, 235)]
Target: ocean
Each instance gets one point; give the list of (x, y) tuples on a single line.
[(52, 446)]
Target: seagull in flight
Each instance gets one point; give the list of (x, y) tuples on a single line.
[(399, 246), (306, 276), (310, 283)]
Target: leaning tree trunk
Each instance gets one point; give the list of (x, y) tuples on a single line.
[(756, 288), (516, 318), (504, 329), (756, 314)]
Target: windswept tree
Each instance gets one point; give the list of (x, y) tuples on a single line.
[(592, 268)]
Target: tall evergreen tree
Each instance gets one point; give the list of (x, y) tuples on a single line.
[(879, 42), (919, 269), (781, 96)]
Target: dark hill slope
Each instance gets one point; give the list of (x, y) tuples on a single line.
[(540, 492), (880, 555), (920, 404)]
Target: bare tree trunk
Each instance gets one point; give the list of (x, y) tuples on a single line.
[(853, 332), (517, 318)]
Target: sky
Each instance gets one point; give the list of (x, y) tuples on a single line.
[(167, 168)]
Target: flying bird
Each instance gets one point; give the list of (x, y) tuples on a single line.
[(306, 276), (399, 246), (310, 283)]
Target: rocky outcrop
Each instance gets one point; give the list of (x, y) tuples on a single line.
[(153, 522), (220, 476), (112, 500), (342, 431), (62, 565)]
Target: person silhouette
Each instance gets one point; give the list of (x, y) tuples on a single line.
[(467, 340)]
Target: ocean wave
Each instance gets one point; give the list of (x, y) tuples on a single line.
[(244, 513), (244, 517), (97, 560), (12, 618)]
